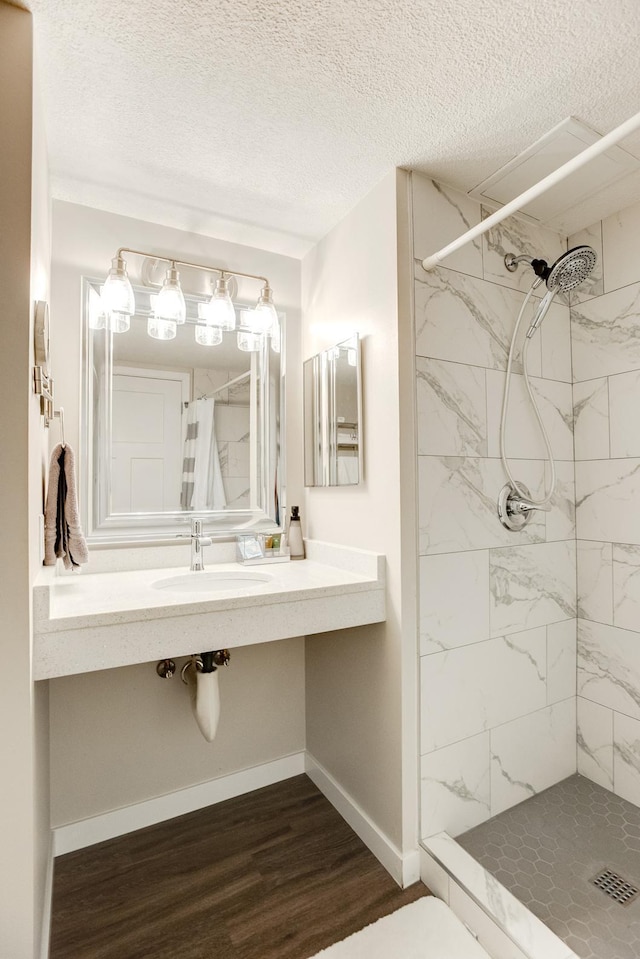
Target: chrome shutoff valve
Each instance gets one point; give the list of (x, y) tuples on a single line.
[(166, 668)]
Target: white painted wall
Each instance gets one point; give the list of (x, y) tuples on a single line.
[(361, 683), (123, 736), (24, 276)]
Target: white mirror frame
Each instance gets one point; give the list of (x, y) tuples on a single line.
[(324, 428), (103, 528)]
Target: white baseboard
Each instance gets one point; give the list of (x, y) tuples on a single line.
[(87, 832), (404, 868), (45, 934)]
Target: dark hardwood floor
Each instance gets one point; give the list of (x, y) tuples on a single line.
[(275, 874)]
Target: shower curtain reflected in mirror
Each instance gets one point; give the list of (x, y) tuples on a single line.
[(202, 486)]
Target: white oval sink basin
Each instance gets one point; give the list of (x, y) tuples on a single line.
[(213, 581)]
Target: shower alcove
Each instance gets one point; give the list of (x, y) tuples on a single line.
[(529, 640)]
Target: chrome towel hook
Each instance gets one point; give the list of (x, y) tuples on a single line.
[(60, 414)]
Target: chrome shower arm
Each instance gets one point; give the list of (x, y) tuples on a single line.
[(540, 267), (511, 261)]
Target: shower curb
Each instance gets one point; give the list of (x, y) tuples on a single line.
[(500, 922)]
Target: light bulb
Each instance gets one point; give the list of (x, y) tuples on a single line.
[(219, 311), (117, 292), (119, 322), (170, 304), (264, 317), (208, 335), (352, 357), (249, 342), (161, 329)]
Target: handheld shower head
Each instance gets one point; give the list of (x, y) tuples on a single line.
[(571, 269), (542, 311), (568, 272)]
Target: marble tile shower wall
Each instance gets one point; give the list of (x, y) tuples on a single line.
[(606, 363), (497, 609)]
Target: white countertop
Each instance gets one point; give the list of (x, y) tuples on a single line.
[(101, 620)]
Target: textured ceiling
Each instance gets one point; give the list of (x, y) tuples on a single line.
[(282, 114)]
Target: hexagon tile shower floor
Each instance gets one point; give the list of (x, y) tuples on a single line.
[(549, 850)]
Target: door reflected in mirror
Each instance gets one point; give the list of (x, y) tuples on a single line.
[(175, 428), (333, 416)]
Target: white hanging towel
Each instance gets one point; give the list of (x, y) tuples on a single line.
[(63, 536)]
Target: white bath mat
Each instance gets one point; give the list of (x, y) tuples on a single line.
[(425, 929)]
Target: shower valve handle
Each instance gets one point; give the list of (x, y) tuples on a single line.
[(520, 504)]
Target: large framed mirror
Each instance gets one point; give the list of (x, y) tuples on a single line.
[(333, 416), (176, 429)]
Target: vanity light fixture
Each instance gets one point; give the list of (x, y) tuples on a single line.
[(249, 342), (161, 329), (219, 311), (157, 327), (264, 317), (98, 316), (171, 304), (119, 322), (168, 309), (207, 335), (117, 292), (276, 337)]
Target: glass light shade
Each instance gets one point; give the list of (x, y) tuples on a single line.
[(161, 329), (117, 292), (170, 304), (276, 338), (119, 322), (208, 335), (218, 312), (97, 320), (264, 317), (97, 313), (249, 342)]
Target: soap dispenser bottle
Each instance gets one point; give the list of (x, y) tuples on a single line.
[(296, 542)]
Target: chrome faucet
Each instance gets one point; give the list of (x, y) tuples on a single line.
[(197, 542)]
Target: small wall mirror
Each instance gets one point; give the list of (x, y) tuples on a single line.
[(173, 429), (333, 416)]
